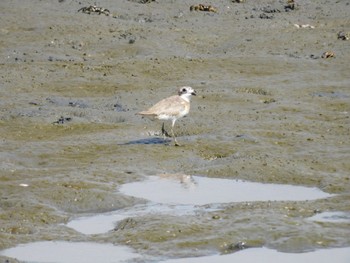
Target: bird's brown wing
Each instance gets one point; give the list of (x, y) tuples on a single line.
[(170, 106)]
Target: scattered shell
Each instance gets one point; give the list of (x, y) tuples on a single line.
[(142, 1), (128, 223), (268, 101), (328, 54), (290, 5), (24, 185), (270, 10), (62, 120), (201, 7), (233, 247), (304, 26), (265, 16), (94, 9)]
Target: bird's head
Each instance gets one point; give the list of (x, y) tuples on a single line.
[(186, 92)]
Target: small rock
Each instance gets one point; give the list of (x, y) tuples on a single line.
[(343, 36)]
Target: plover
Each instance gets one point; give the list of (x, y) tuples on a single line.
[(172, 108)]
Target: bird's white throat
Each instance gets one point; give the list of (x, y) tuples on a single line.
[(186, 97)]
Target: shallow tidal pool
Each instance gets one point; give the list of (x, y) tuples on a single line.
[(196, 190)]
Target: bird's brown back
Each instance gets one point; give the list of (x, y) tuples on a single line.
[(169, 106)]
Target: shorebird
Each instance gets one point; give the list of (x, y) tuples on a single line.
[(172, 108)]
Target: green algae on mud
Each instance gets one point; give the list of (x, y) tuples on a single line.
[(268, 111), (22, 129)]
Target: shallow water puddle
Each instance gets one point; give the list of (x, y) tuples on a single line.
[(251, 255), (197, 190), (331, 217), (69, 252), (101, 223), (96, 224), (179, 195)]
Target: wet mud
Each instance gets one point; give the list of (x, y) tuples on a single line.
[(269, 109)]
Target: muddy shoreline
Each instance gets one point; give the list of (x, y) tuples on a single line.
[(269, 109)]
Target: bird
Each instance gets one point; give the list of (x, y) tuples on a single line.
[(171, 108)]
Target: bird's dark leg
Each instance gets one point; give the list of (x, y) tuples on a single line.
[(164, 132)]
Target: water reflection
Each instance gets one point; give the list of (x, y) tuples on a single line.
[(197, 190), (148, 141)]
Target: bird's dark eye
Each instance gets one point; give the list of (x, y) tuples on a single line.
[(184, 90)]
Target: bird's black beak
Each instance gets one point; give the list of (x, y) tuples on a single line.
[(194, 93)]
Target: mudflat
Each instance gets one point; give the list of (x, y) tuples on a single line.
[(272, 106)]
